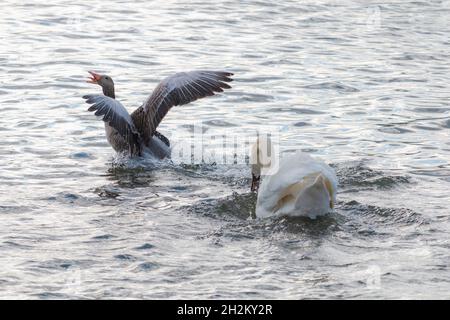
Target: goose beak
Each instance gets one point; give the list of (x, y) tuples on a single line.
[(95, 77), (255, 183)]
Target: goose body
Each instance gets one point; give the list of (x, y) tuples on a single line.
[(298, 186), (158, 146), (136, 133)]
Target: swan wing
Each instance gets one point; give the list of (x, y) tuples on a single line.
[(294, 173)]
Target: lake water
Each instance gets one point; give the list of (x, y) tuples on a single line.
[(363, 85)]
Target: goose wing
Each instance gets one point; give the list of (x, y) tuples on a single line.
[(115, 115), (181, 88)]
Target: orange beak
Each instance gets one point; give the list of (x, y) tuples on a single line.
[(95, 77)]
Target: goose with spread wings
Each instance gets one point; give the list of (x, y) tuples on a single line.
[(137, 132)]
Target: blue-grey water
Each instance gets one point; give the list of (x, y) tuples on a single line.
[(364, 85)]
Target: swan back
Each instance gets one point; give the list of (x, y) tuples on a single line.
[(299, 186)]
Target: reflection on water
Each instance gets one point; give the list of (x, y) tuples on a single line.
[(363, 86)]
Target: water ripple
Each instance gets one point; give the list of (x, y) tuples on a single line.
[(362, 85)]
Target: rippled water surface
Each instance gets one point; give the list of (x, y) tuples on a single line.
[(363, 85)]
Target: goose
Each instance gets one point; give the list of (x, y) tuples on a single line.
[(298, 185), (136, 133)]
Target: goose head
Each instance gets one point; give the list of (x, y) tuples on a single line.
[(261, 160), (104, 81)]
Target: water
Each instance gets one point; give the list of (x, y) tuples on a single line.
[(363, 85)]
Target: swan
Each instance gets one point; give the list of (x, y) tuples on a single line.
[(298, 185), (137, 132)]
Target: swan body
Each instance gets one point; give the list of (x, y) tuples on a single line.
[(298, 186)]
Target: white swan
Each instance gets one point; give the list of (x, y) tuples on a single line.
[(297, 185)]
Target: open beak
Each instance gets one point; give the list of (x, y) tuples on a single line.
[(255, 183), (94, 78)]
